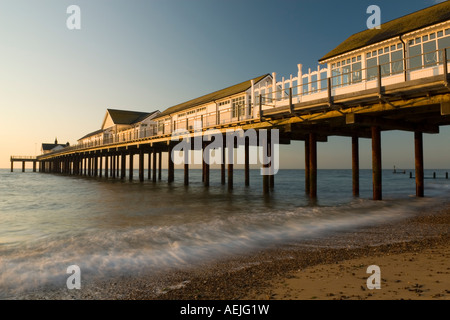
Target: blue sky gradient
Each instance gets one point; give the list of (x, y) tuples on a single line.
[(149, 55)]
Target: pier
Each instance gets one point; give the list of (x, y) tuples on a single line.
[(359, 91), (23, 160)]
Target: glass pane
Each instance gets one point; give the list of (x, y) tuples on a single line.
[(444, 43), (314, 83), (430, 56), (397, 62), (336, 78), (356, 72), (384, 61), (372, 68), (346, 72), (415, 60)]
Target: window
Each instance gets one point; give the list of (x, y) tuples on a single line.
[(372, 71), (430, 54), (356, 72), (415, 57), (397, 62), (384, 62), (223, 103), (349, 73), (444, 43), (238, 106)]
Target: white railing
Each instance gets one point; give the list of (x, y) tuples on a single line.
[(314, 85)]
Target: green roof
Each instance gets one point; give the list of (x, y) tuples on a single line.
[(238, 88), (395, 28)]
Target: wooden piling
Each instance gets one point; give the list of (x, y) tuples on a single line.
[(206, 160), (376, 163), (131, 168), (113, 167), (89, 166), (307, 168), (12, 166), (171, 168), (106, 166), (123, 166), (355, 165), (222, 166), (313, 165), (160, 165), (272, 164), (149, 165), (23, 166), (141, 165), (266, 182), (418, 149), (154, 166), (34, 166), (247, 162)]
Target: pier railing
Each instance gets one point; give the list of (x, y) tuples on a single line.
[(314, 85)]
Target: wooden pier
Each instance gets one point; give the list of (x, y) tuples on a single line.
[(357, 96), (23, 160)]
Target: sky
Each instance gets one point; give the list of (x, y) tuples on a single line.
[(153, 54)]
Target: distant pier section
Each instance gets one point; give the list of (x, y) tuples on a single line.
[(23, 160)]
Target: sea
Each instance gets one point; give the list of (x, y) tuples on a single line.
[(112, 227)]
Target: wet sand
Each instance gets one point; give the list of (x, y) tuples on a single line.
[(413, 255)]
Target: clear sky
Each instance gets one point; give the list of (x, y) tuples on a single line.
[(146, 55)]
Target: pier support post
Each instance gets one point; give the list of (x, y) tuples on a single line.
[(376, 163), (313, 165), (160, 166), (23, 166), (131, 168), (222, 166), (34, 166), (117, 165), (106, 166), (206, 160), (272, 164), (247, 162), (141, 165), (266, 182), (123, 165), (307, 168), (230, 166), (418, 150), (12, 166), (95, 166), (89, 166), (154, 166), (171, 167), (186, 167), (355, 165), (149, 165), (113, 166)]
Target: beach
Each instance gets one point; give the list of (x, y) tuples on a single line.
[(413, 255), (282, 250), (414, 266)]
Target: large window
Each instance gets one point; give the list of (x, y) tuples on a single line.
[(346, 71), (426, 51), (388, 58), (238, 106)]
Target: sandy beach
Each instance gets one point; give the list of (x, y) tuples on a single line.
[(413, 255), (414, 264)]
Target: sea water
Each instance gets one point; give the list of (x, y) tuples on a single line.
[(113, 227)]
